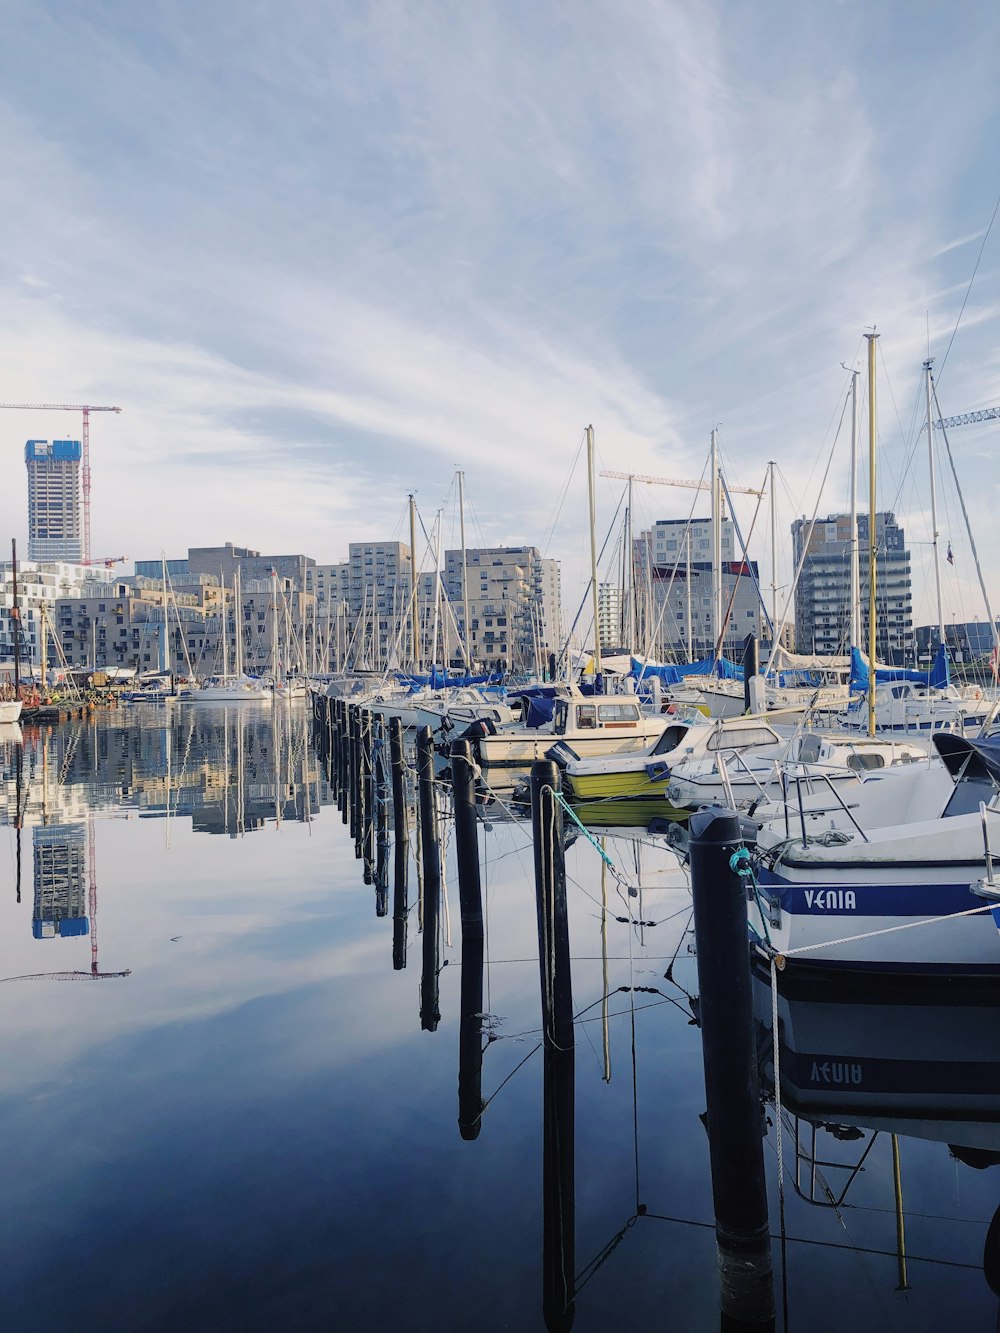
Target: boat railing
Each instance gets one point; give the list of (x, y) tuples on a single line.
[(787, 778), (989, 887)]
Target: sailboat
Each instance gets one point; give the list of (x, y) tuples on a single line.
[(231, 687), (897, 880)]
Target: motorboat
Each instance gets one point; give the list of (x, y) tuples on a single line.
[(838, 874)]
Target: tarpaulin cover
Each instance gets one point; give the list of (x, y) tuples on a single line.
[(672, 675), (938, 676), (540, 711), (440, 680)]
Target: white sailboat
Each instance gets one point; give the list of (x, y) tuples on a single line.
[(231, 687)]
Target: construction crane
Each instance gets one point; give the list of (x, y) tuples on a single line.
[(967, 418), (86, 409), (108, 561), (672, 481)]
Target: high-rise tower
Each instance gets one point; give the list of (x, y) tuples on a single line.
[(55, 512)]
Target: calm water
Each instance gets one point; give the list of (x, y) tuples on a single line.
[(251, 1129)]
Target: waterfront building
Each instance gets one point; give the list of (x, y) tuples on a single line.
[(40, 584), (673, 578), (55, 510), (823, 594), (609, 615), (514, 610)]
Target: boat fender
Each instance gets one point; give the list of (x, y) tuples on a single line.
[(658, 770)]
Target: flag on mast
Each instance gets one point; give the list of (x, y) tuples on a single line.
[(951, 557)]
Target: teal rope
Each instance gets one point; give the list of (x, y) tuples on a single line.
[(741, 863), (583, 829)]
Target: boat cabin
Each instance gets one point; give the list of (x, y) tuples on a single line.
[(595, 713)]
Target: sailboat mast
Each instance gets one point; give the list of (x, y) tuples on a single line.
[(934, 522), (855, 589), (687, 593), (466, 641), (593, 551), (716, 548), (238, 655), (414, 618), (166, 627), (774, 548), (224, 622), (274, 630), (872, 536), (630, 616)]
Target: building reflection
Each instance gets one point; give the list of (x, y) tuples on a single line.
[(228, 770), (59, 854)]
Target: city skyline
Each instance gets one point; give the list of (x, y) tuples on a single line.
[(357, 254)]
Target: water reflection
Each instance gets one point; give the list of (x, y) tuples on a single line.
[(861, 1081), (229, 770)]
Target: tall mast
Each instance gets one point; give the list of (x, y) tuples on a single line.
[(716, 548), (224, 622), (15, 619), (855, 589), (166, 627), (774, 549), (687, 583), (238, 585), (437, 588), (414, 617), (275, 672), (593, 551), (872, 537), (466, 644), (629, 575), (934, 523)]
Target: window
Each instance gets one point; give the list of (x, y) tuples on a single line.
[(739, 737), (586, 717), (618, 713)]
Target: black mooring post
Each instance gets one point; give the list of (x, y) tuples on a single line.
[(430, 1012), (751, 666), (732, 1095), (463, 782), (401, 844), (380, 782), (367, 796), (470, 1035), (558, 1164), (343, 761), (353, 767)]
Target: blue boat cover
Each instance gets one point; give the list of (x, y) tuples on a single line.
[(672, 675), (540, 710), (938, 676), (440, 680)]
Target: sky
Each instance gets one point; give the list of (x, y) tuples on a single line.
[(323, 254)]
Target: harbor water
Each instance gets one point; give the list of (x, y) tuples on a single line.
[(231, 1084)]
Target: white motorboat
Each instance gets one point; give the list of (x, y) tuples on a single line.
[(231, 690), (590, 723), (10, 710), (838, 874)]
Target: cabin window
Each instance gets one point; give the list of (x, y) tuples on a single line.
[(586, 717), (618, 712), (863, 763), (900, 691), (739, 738)]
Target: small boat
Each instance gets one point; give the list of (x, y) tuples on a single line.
[(230, 690), (837, 876), (590, 723), (10, 710)]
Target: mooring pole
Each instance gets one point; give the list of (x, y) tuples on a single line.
[(380, 778), (430, 852), (470, 1037), (401, 844), (344, 760), (354, 767), (558, 1151), (367, 796), (735, 1139)]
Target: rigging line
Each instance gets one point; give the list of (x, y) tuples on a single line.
[(561, 500), (958, 321)]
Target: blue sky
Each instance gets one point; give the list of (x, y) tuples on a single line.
[(323, 253)]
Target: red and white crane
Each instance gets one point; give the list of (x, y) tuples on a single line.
[(86, 409)]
